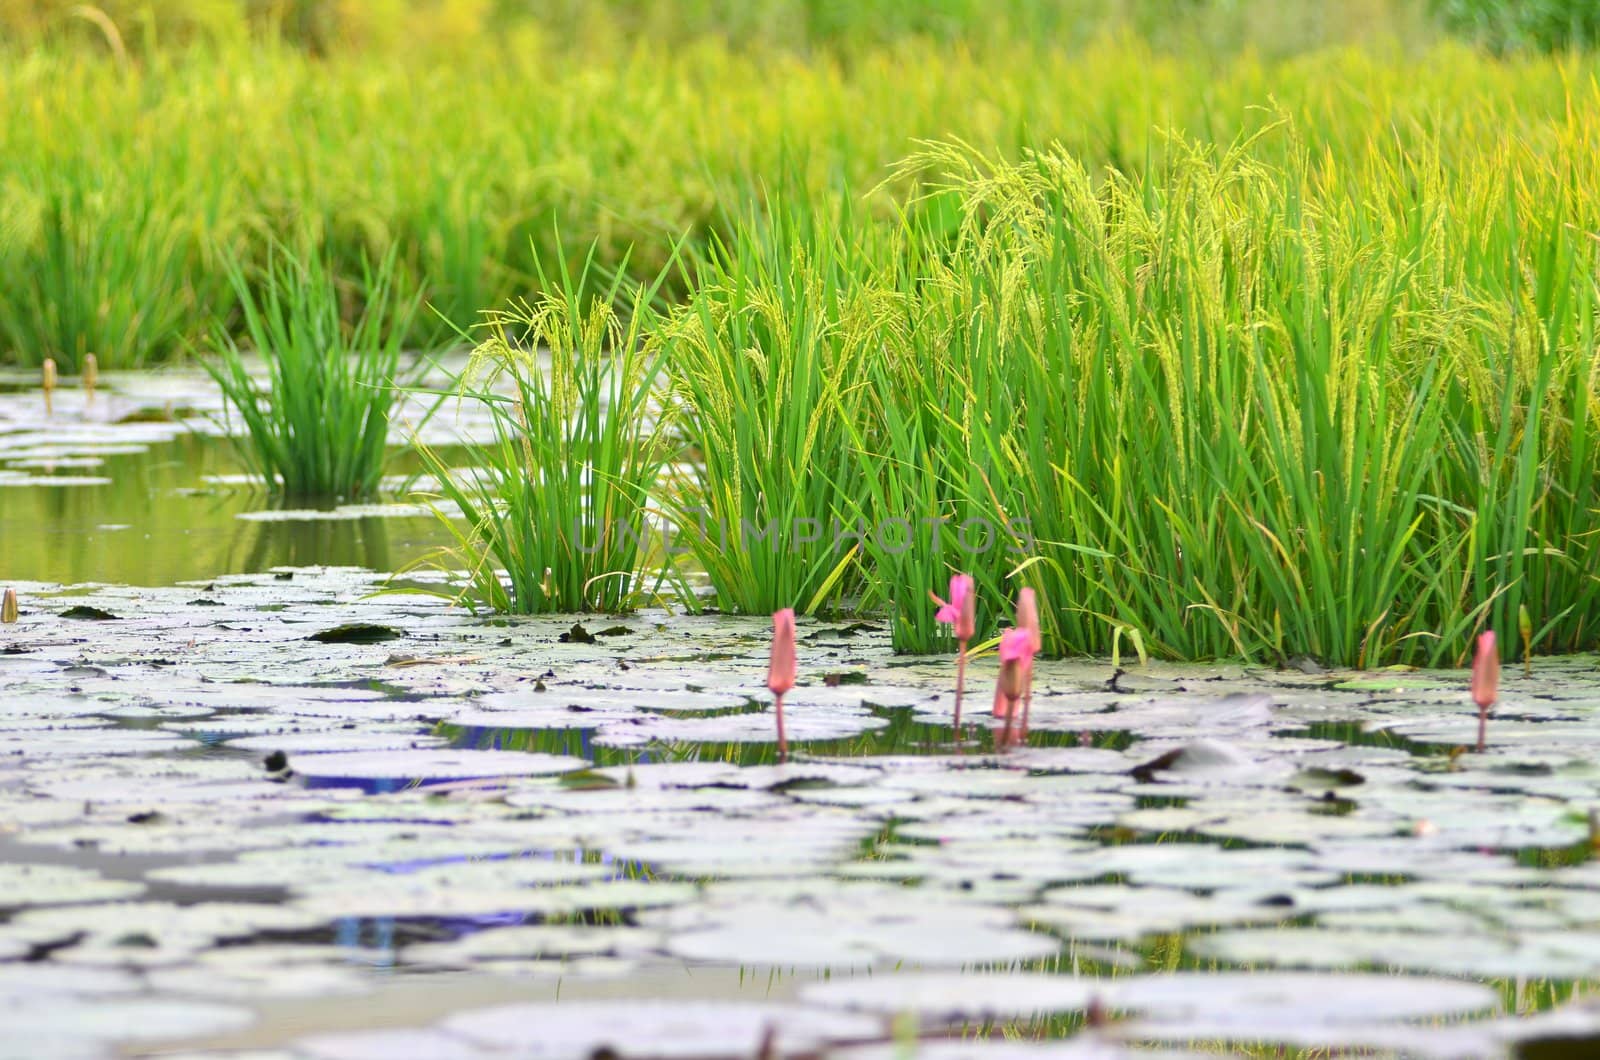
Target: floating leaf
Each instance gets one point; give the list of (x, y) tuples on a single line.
[(692, 1030), (84, 612), (357, 633)]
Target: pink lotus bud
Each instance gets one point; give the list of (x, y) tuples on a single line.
[(960, 612), (1486, 672), (1016, 662), (964, 595), (781, 669), (1028, 617)]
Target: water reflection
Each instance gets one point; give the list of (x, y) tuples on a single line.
[(906, 734), (352, 542), (159, 521)]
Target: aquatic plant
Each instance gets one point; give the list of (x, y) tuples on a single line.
[(1016, 675), (781, 670), (1304, 467), (319, 426), (123, 181), (1027, 619), (8, 607), (763, 360), (90, 372), (47, 384), (554, 514), (960, 613), (1202, 404), (1300, 466), (103, 255), (1485, 682), (1525, 628)]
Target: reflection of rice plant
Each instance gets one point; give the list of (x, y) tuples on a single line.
[(319, 426), (905, 734), (555, 513)]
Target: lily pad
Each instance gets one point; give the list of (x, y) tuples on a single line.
[(357, 633), (953, 998), (692, 1030), (357, 767)]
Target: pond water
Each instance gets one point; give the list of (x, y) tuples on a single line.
[(181, 511), (141, 487), (250, 806)]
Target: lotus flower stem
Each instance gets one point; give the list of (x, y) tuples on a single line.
[(8, 607), (1485, 682), (91, 376), (781, 669), (1005, 730), (960, 612), (961, 680), (1028, 619), (1016, 667), (783, 737)]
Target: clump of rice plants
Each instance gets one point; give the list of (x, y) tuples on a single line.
[(554, 516), (1244, 418), (924, 498), (115, 179), (318, 425), (932, 460), (94, 267), (766, 360)]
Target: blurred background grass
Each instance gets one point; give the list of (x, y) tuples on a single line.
[(442, 27), (147, 137)]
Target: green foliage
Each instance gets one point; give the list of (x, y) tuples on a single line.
[(626, 124), (553, 514), (97, 263), (1243, 415), (1513, 25), (1230, 407), (319, 426), (1309, 380), (766, 359)]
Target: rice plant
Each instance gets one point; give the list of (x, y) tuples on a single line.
[(317, 426), (556, 514), (1243, 418), (766, 362), (116, 178), (94, 266)]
